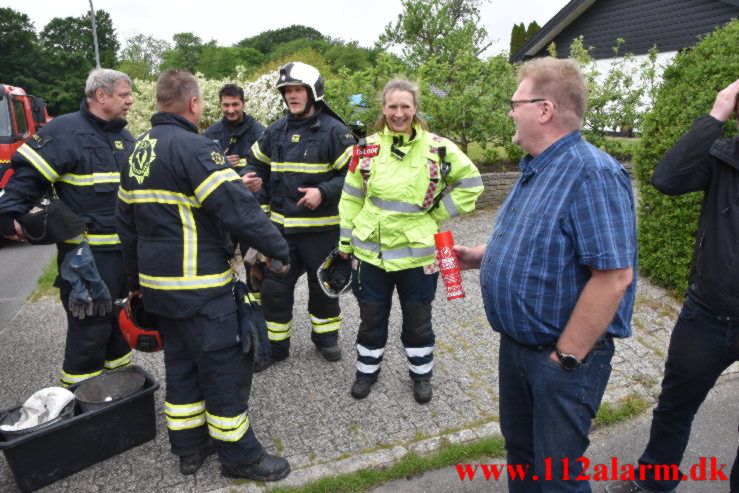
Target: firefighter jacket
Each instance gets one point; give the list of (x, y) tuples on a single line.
[(81, 155), (393, 201), (236, 138), (178, 202), (303, 152)]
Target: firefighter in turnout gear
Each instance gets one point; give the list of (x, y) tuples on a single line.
[(236, 132), (179, 201), (301, 160), (80, 155), (402, 182)]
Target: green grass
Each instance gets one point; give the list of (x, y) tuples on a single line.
[(408, 466), (279, 446), (45, 287), (477, 154), (413, 464), (474, 152), (631, 406)]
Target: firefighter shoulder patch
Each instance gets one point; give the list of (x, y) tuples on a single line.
[(37, 142), (218, 158), (139, 163), (211, 157)]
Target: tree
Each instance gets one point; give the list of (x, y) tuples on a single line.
[(18, 50), (438, 29), (342, 91), (518, 37), (73, 35), (266, 41), (216, 62), (185, 54), (467, 102), (442, 42), (350, 56), (309, 56), (142, 56), (532, 30), (285, 50), (68, 55), (616, 96)]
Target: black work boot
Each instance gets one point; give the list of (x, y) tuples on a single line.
[(361, 387), (422, 390), (262, 364), (627, 486), (190, 463), (330, 353), (267, 468)]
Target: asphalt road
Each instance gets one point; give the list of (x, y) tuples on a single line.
[(21, 265)]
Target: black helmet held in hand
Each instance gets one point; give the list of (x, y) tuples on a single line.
[(335, 274)]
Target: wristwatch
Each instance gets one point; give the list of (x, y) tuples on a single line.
[(568, 361)]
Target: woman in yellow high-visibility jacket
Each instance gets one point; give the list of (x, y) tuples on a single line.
[(402, 182)]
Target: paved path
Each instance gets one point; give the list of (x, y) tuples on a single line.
[(714, 435), (20, 266), (301, 408)]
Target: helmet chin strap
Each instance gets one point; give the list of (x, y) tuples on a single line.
[(308, 105)]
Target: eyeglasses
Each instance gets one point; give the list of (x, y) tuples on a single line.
[(514, 102)]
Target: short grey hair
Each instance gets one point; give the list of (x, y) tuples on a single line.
[(561, 80), (105, 79), (174, 90)]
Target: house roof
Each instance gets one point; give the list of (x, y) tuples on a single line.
[(696, 20), (556, 24)]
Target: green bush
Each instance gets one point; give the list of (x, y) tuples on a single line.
[(667, 225), (623, 150)]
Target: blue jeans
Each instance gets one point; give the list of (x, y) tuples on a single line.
[(546, 412), (702, 346)]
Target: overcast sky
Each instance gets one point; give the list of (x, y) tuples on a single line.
[(229, 21)]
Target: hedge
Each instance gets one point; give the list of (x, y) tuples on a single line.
[(667, 225)]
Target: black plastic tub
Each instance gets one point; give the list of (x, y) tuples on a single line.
[(63, 448), (12, 416)]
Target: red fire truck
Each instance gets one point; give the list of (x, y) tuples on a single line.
[(21, 116)]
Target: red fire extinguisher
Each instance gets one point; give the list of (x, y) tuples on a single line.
[(449, 265)]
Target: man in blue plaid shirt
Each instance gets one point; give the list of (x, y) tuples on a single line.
[(558, 278)]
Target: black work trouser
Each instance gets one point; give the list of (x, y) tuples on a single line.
[(208, 383), (94, 343), (307, 253), (373, 288)]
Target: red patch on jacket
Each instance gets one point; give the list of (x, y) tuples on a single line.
[(360, 152)]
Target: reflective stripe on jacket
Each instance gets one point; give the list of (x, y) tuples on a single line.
[(178, 201), (81, 155), (303, 153), (384, 220)]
